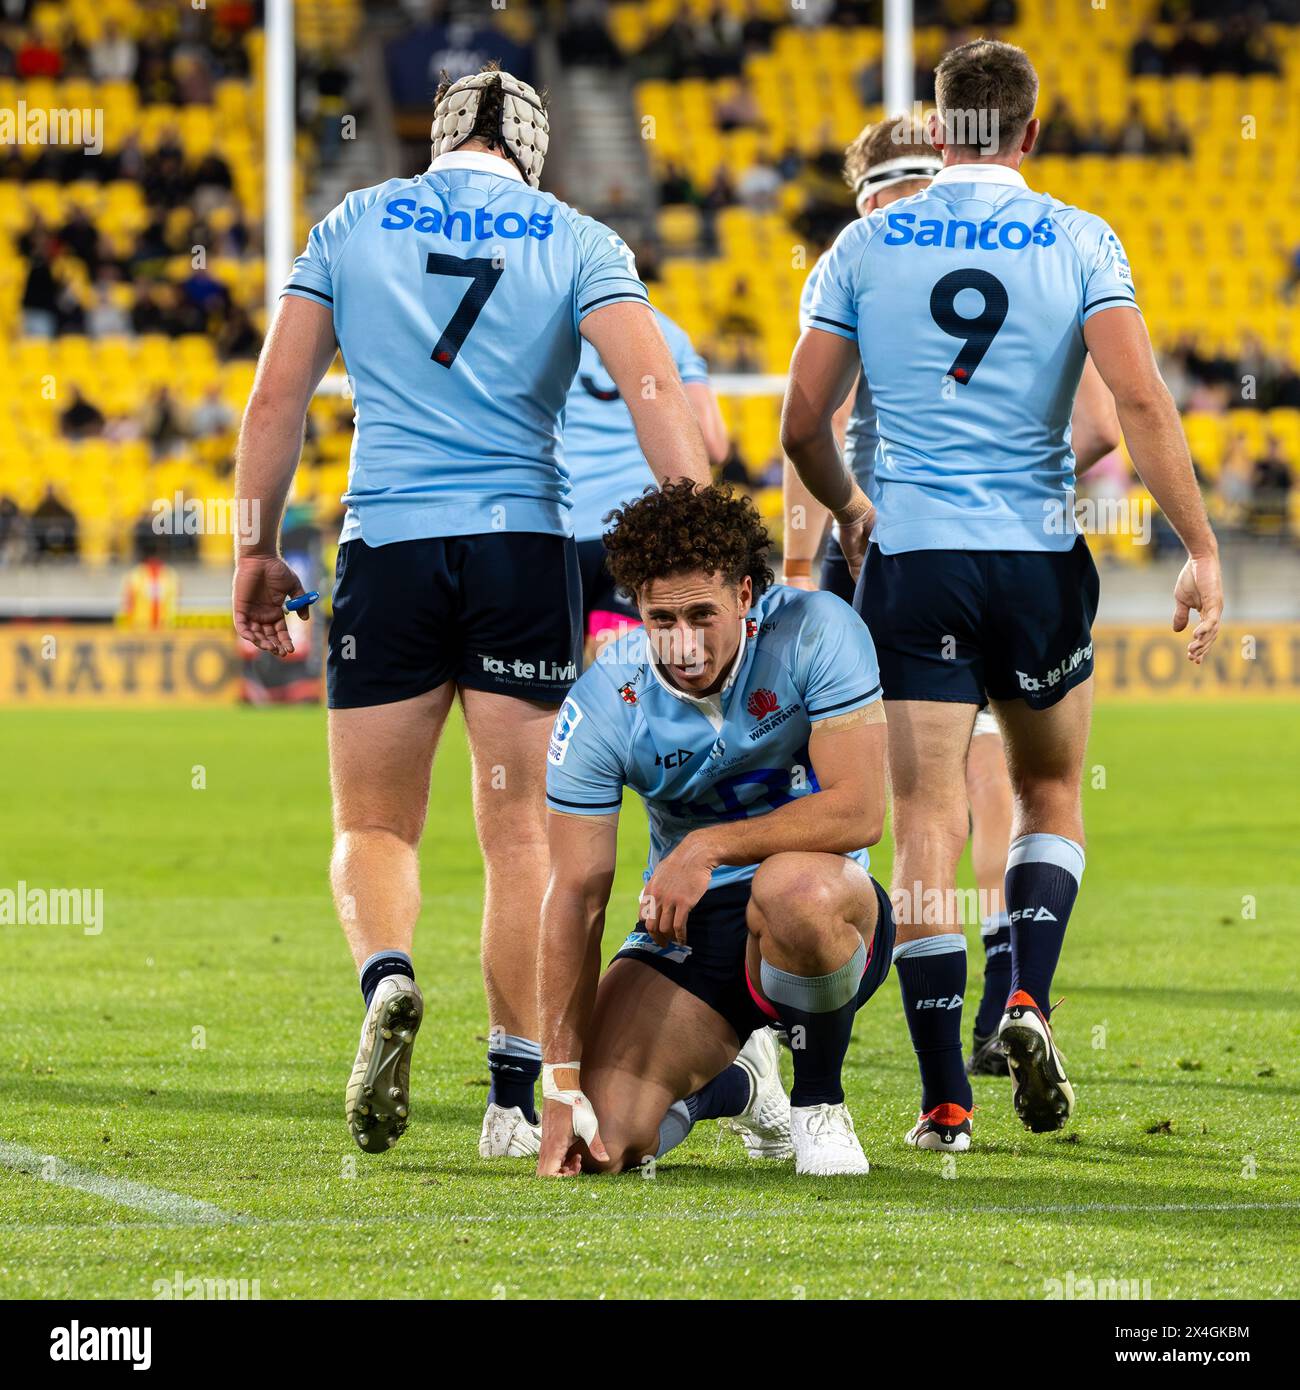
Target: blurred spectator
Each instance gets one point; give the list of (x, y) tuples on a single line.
[(80, 419), (675, 187), (739, 110), (38, 57), (40, 300), (1146, 58), (238, 338), (759, 186), (1234, 486), (13, 531), (53, 528), (1271, 484), (161, 423), (112, 55), (212, 417), (756, 29), (106, 318), (584, 37), (1134, 134)]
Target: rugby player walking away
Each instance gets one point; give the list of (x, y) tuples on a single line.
[(885, 163), (970, 309), (457, 299), (607, 468), (748, 718)]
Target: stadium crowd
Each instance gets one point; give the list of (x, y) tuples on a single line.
[(138, 277)]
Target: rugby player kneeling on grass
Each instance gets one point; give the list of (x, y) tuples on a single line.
[(748, 717)]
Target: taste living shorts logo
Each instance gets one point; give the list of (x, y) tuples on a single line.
[(517, 672), (1057, 674)]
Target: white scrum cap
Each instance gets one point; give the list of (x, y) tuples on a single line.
[(891, 171), (525, 132)]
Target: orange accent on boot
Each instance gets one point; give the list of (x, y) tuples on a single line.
[(948, 1114), (1022, 1000)]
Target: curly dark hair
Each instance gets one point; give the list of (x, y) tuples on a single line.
[(683, 527)]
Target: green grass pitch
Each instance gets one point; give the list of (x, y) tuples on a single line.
[(200, 1046)]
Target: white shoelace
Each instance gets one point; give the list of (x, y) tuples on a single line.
[(832, 1123)]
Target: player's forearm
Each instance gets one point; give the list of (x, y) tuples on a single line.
[(668, 432), (568, 969), (270, 443), (819, 464), (805, 524), (1155, 439), (835, 820)]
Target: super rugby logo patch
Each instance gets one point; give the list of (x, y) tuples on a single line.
[(568, 719)]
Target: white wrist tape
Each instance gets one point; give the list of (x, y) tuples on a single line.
[(584, 1117)]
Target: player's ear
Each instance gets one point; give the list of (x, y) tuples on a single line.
[(1030, 136), (934, 132), (745, 596)]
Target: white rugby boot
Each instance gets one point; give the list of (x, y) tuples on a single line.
[(507, 1134), (825, 1144), (764, 1124), (378, 1096)]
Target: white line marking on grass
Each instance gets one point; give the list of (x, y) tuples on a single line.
[(157, 1201)]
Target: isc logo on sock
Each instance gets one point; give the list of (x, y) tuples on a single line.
[(1032, 914), (943, 1002)]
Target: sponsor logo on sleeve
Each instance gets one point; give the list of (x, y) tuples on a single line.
[(568, 719)]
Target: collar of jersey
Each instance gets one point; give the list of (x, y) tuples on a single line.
[(979, 173), (701, 702), (476, 161)]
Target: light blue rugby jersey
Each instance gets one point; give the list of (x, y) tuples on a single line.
[(456, 298), (600, 450), (860, 437), (804, 657), (967, 302)]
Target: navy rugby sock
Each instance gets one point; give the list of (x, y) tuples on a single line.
[(995, 932), (514, 1064), (726, 1094), (379, 966), (818, 1010), (932, 977), (1043, 875)]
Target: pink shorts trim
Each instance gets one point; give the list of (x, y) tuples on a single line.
[(601, 621)]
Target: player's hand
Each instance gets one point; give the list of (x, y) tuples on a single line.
[(854, 540), (262, 584), (1199, 586), (677, 884), (569, 1128)]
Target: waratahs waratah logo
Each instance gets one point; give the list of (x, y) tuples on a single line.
[(762, 703)]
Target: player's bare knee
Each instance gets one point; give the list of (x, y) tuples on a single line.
[(790, 889), (352, 834), (1043, 801)]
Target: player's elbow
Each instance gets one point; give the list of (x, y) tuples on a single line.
[(274, 399), (1102, 435), (1144, 396), (800, 429), (871, 824)]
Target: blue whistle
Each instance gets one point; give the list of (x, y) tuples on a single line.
[(296, 605)]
